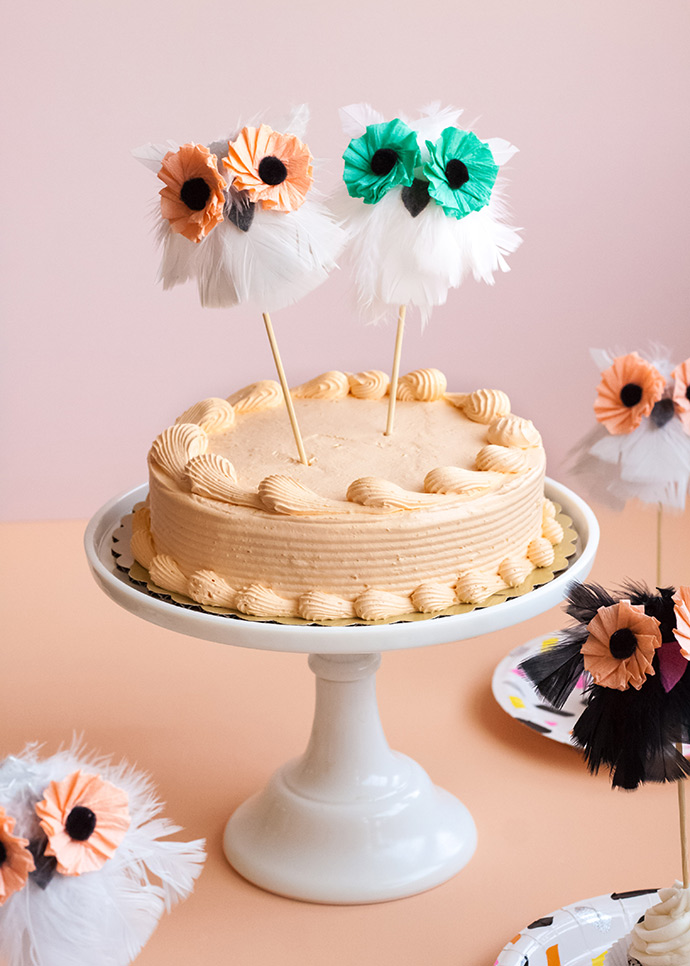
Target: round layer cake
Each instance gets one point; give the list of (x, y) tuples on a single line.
[(448, 509)]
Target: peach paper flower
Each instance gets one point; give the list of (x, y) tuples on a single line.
[(15, 859), (621, 644), (85, 819), (681, 599), (194, 194), (627, 392), (681, 393), (273, 168)]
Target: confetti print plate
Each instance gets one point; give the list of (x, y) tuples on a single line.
[(516, 695), (577, 935)]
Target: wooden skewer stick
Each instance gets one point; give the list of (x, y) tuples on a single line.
[(683, 827), (286, 389), (396, 370)]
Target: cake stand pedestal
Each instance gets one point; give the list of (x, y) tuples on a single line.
[(350, 821)]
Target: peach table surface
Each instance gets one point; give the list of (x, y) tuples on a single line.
[(210, 723)]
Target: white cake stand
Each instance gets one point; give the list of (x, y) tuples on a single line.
[(349, 821)]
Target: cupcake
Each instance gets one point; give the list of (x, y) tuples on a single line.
[(661, 937)]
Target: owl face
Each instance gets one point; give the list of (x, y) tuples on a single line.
[(641, 447), (423, 206), (237, 216), (79, 845)]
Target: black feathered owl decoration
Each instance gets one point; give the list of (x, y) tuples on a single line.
[(633, 648)]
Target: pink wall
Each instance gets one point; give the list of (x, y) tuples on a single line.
[(97, 359)]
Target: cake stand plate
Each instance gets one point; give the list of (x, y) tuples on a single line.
[(349, 821)]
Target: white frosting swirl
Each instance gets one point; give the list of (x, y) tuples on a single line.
[(213, 415), (663, 936), (372, 384), (422, 385), (329, 385), (175, 446)]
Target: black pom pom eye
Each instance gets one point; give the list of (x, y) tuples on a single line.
[(383, 161), (80, 823), (622, 643), (272, 170), (687, 393), (3, 853), (195, 193), (631, 394), (456, 173)]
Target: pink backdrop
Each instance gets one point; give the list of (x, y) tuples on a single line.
[(97, 359)]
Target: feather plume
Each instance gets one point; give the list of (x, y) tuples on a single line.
[(650, 464), (280, 257), (100, 918), (399, 259)]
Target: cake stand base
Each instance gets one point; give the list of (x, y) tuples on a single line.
[(350, 821)]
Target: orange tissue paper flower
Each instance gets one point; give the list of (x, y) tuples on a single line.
[(621, 644), (194, 194), (274, 169), (681, 393), (85, 819), (681, 600), (16, 862), (627, 392)]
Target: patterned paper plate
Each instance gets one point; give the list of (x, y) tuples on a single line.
[(518, 698), (577, 935)]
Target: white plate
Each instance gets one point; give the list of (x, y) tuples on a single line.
[(517, 697), (577, 935)]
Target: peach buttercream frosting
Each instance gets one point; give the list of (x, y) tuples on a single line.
[(450, 509)]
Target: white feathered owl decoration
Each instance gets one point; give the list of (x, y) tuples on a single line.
[(85, 871), (425, 207), (640, 448), (240, 216)]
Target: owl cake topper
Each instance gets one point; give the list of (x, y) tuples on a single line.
[(633, 648), (640, 448), (240, 217), (424, 209), (85, 870)]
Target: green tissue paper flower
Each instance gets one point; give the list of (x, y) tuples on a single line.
[(461, 172), (383, 157)]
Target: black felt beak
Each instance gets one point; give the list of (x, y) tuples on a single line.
[(241, 213), (415, 197), (662, 412)]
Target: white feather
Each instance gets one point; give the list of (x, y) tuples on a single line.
[(356, 118), (650, 464), (280, 259), (101, 918), (401, 260), (151, 155)]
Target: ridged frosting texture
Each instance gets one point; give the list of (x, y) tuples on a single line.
[(663, 936), (447, 518)]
